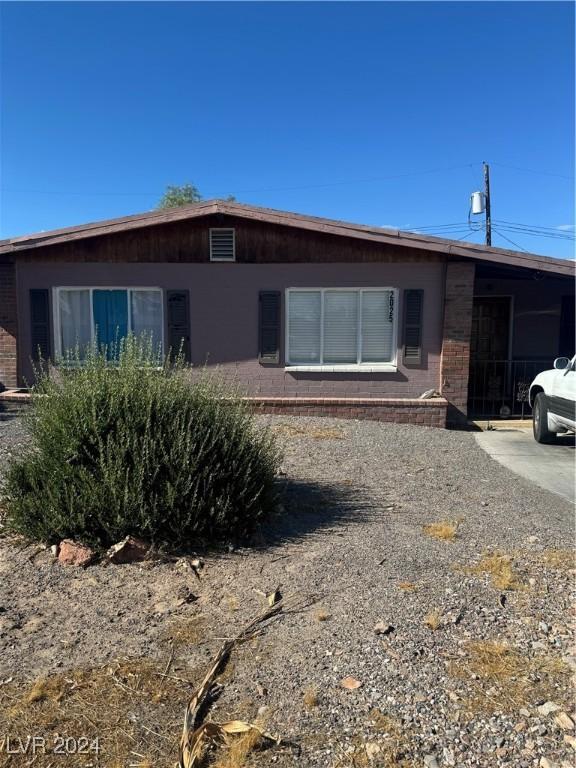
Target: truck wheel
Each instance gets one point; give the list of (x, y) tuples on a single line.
[(540, 420)]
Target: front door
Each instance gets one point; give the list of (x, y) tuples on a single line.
[(490, 328), (489, 352)]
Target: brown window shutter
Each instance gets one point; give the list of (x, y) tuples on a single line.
[(40, 323), (413, 305), (269, 327), (179, 322)]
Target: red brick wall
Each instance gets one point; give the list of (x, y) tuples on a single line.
[(8, 326), (429, 413), (455, 360)]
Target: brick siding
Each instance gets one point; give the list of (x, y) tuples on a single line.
[(8, 326), (429, 413), (455, 361)]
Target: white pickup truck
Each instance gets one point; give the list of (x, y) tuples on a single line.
[(553, 400)]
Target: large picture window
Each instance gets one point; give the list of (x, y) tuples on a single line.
[(341, 327), (84, 315)]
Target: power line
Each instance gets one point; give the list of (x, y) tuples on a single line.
[(531, 226), (558, 235), (539, 233), (532, 170), (470, 232), (439, 226), (259, 189), (510, 241), (527, 229)]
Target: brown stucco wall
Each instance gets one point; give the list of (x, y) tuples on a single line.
[(224, 317)]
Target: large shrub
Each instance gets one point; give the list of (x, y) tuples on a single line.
[(132, 446)]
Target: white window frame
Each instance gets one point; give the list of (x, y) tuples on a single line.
[(91, 288), (226, 229), (358, 367)]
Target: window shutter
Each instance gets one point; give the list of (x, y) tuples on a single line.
[(222, 245), (40, 323), (413, 303), (269, 327), (179, 323)]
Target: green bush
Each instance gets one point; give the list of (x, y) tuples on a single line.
[(134, 447)]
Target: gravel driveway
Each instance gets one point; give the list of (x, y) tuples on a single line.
[(438, 681)]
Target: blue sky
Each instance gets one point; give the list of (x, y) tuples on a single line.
[(379, 113)]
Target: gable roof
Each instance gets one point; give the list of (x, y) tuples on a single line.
[(452, 248)]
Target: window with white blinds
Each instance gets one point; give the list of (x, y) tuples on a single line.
[(348, 326), (304, 317)]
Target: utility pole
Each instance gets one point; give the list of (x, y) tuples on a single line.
[(487, 202)]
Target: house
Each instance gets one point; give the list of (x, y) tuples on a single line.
[(309, 315)]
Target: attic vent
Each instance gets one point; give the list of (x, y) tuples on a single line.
[(222, 246)]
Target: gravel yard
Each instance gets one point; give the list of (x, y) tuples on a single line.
[(471, 664)]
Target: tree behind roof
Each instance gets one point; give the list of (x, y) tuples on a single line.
[(175, 196), (186, 194)]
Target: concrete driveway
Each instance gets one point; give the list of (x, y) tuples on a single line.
[(552, 467)]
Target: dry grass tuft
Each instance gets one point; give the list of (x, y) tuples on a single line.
[(322, 615), (442, 530), (381, 721), (232, 603), (239, 750), (345, 758), (187, 631), (311, 699), (504, 679), (558, 559), (499, 567), (433, 620), (314, 433), (397, 741), (395, 745), (117, 704), (407, 586), (47, 689)]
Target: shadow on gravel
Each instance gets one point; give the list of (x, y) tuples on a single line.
[(311, 507)]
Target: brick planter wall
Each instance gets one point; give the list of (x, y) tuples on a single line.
[(455, 363), (8, 326), (429, 413)]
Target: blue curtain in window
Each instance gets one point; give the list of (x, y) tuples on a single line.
[(110, 316)]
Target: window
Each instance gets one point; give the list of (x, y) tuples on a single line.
[(341, 326), (84, 315), (222, 245)]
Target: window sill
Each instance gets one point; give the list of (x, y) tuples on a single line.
[(376, 368)]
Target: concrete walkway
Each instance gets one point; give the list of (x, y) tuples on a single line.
[(552, 467)]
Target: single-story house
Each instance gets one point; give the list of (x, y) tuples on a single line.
[(309, 315)]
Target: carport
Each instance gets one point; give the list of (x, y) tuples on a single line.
[(522, 319)]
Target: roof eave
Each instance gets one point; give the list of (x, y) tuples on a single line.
[(451, 248)]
